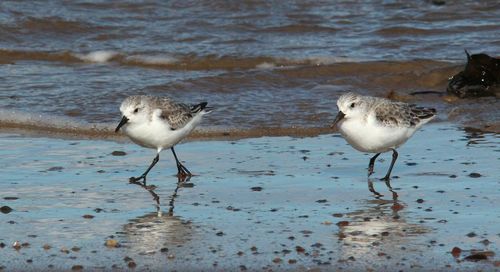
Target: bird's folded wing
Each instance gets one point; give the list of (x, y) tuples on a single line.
[(395, 115), (176, 114)]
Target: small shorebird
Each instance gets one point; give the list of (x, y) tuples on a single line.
[(377, 125), (159, 123)]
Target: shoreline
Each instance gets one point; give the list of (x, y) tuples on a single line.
[(204, 134)]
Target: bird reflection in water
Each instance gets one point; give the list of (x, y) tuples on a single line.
[(378, 227), (155, 231), (182, 181), (377, 194)]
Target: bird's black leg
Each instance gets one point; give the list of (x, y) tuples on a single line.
[(143, 176), (181, 169), (394, 158), (372, 163)]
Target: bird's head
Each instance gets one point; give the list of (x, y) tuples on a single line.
[(350, 105), (134, 109)]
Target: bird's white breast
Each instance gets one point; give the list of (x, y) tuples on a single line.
[(157, 133), (366, 135)]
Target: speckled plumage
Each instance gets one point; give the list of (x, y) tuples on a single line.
[(159, 123), (389, 113), (398, 114), (176, 114), (377, 125)]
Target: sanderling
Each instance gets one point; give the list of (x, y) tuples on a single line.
[(377, 125), (159, 123)]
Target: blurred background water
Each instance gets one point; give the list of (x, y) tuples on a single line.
[(262, 64)]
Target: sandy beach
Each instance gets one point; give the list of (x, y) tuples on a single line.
[(275, 187), (269, 203)]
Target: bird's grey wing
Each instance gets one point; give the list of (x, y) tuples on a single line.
[(176, 114), (422, 113), (394, 114), (398, 114)]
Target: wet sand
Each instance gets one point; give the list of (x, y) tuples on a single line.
[(270, 203)]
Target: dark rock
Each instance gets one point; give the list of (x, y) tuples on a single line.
[(300, 249), (118, 153), (480, 77), (476, 257), (474, 175), (342, 223), (5, 209), (471, 234), (456, 252)]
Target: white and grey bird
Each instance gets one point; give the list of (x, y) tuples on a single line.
[(377, 125), (159, 123)]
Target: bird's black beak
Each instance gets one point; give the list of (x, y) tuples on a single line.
[(339, 117), (122, 122)]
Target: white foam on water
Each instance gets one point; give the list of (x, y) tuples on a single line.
[(97, 56), (328, 60), (315, 60), (266, 65)]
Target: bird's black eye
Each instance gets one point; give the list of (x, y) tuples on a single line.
[(352, 105), (136, 110)]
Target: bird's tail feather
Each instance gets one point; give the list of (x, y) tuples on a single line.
[(202, 107)]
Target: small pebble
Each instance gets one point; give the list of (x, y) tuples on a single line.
[(300, 249), (16, 245), (474, 175), (112, 243), (343, 223), (77, 267), (456, 252), (5, 209)]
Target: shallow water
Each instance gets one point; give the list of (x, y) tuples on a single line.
[(277, 203), (68, 65)]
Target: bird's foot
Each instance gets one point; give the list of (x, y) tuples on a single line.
[(386, 179), (182, 172), (136, 180)]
